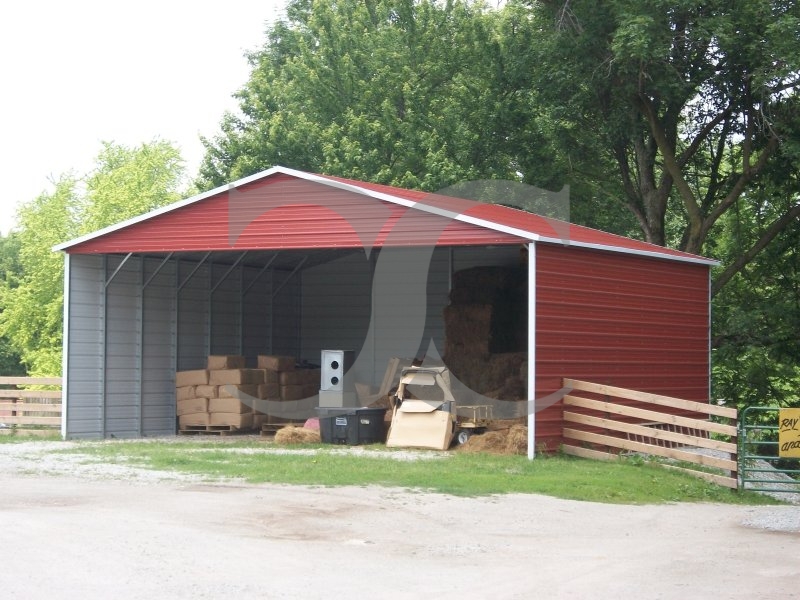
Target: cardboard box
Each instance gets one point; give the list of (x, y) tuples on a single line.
[(238, 420), (242, 392), (276, 363), (192, 405), (228, 405), (207, 391), (236, 376), (269, 391), (421, 424), (186, 392), (271, 376), (298, 392), (187, 378), (301, 377), (216, 362), (202, 418)]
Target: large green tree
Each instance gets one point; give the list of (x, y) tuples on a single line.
[(680, 106), (391, 91), (124, 183)]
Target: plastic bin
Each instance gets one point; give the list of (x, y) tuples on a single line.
[(352, 426)]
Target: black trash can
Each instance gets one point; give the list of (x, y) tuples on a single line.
[(352, 426)]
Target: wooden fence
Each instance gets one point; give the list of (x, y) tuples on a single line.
[(21, 408), (602, 429)]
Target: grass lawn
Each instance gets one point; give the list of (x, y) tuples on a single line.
[(257, 461)]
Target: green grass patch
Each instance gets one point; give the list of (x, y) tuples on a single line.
[(461, 474), (13, 435)]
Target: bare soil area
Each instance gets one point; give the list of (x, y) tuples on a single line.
[(95, 535)]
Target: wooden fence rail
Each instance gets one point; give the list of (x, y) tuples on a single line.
[(600, 429), (30, 407)]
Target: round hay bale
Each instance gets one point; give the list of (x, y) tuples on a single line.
[(296, 435)]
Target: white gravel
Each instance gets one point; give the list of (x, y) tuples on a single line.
[(45, 458)]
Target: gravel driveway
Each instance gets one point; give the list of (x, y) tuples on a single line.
[(99, 534)]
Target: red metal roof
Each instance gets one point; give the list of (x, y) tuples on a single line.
[(286, 209)]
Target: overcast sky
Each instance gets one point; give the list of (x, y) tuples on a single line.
[(78, 72)]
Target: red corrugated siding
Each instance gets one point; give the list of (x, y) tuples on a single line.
[(628, 321), (284, 212)]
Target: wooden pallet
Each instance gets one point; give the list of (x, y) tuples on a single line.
[(208, 430)]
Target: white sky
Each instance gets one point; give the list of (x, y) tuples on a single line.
[(78, 72)]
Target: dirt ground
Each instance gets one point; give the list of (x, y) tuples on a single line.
[(75, 536)]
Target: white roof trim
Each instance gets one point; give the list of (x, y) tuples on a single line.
[(700, 260), (419, 205)]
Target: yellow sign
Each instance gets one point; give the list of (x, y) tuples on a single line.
[(789, 433)]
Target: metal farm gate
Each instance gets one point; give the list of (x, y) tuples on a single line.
[(766, 463)]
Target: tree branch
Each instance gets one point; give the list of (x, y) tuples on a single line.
[(745, 258), (672, 167), (741, 183), (692, 148)]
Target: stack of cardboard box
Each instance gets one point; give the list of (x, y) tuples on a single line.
[(221, 395), (292, 383), (284, 381), (226, 395)]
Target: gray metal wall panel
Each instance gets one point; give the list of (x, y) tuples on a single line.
[(409, 295), (225, 310), (438, 298), (336, 305), (123, 345), (286, 313), (192, 318), (257, 309), (158, 354), (85, 348)]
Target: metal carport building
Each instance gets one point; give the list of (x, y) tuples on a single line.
[(287, 262)]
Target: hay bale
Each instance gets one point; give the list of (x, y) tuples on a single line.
[(517, 440), (493, 375), (505, 442), (493, 442), (297, 435), (468, 329)]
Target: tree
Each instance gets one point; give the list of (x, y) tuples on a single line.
[(689, 101), (391, 91), (130, 181), (125, 183), (32, 310), (10, 271), (756, 355)]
